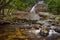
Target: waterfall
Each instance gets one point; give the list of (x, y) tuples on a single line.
[(35, 11), (34, 15), (45, 23)]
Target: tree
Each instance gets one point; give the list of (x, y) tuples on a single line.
[(16, 4), (53, 6), (3, 5), (23, 4)]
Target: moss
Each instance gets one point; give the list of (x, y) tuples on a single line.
[(58, 18)]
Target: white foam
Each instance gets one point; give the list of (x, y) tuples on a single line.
[(51, 32)]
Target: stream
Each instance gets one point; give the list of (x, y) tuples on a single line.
[(43, 28)]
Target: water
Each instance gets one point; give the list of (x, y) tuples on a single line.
[(45, 23), (33, 10), (11, 29), (35, 16)]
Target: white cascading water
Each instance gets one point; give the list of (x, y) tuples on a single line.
[(35, 16), (36, 32), (52, 32), (33, 9)]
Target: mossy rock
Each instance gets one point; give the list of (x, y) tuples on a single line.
[(44, 32), (57, 18)]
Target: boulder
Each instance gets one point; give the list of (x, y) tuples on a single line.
[(25, 15)]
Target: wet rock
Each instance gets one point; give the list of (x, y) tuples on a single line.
[(53, 37), (44, 13), (1, 38), (44, 32), (18, 39), (26, 15), (57, 30), (57, 19)]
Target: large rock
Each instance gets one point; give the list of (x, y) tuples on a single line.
[(25, 15)]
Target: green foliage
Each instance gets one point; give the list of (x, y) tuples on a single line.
[(4, 3), (8, 17), (17, 4), (58, 18), (58, 6), (22, 4), (53, 6)]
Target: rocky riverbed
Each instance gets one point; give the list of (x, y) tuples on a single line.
[(22, 29), (33, 25)]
